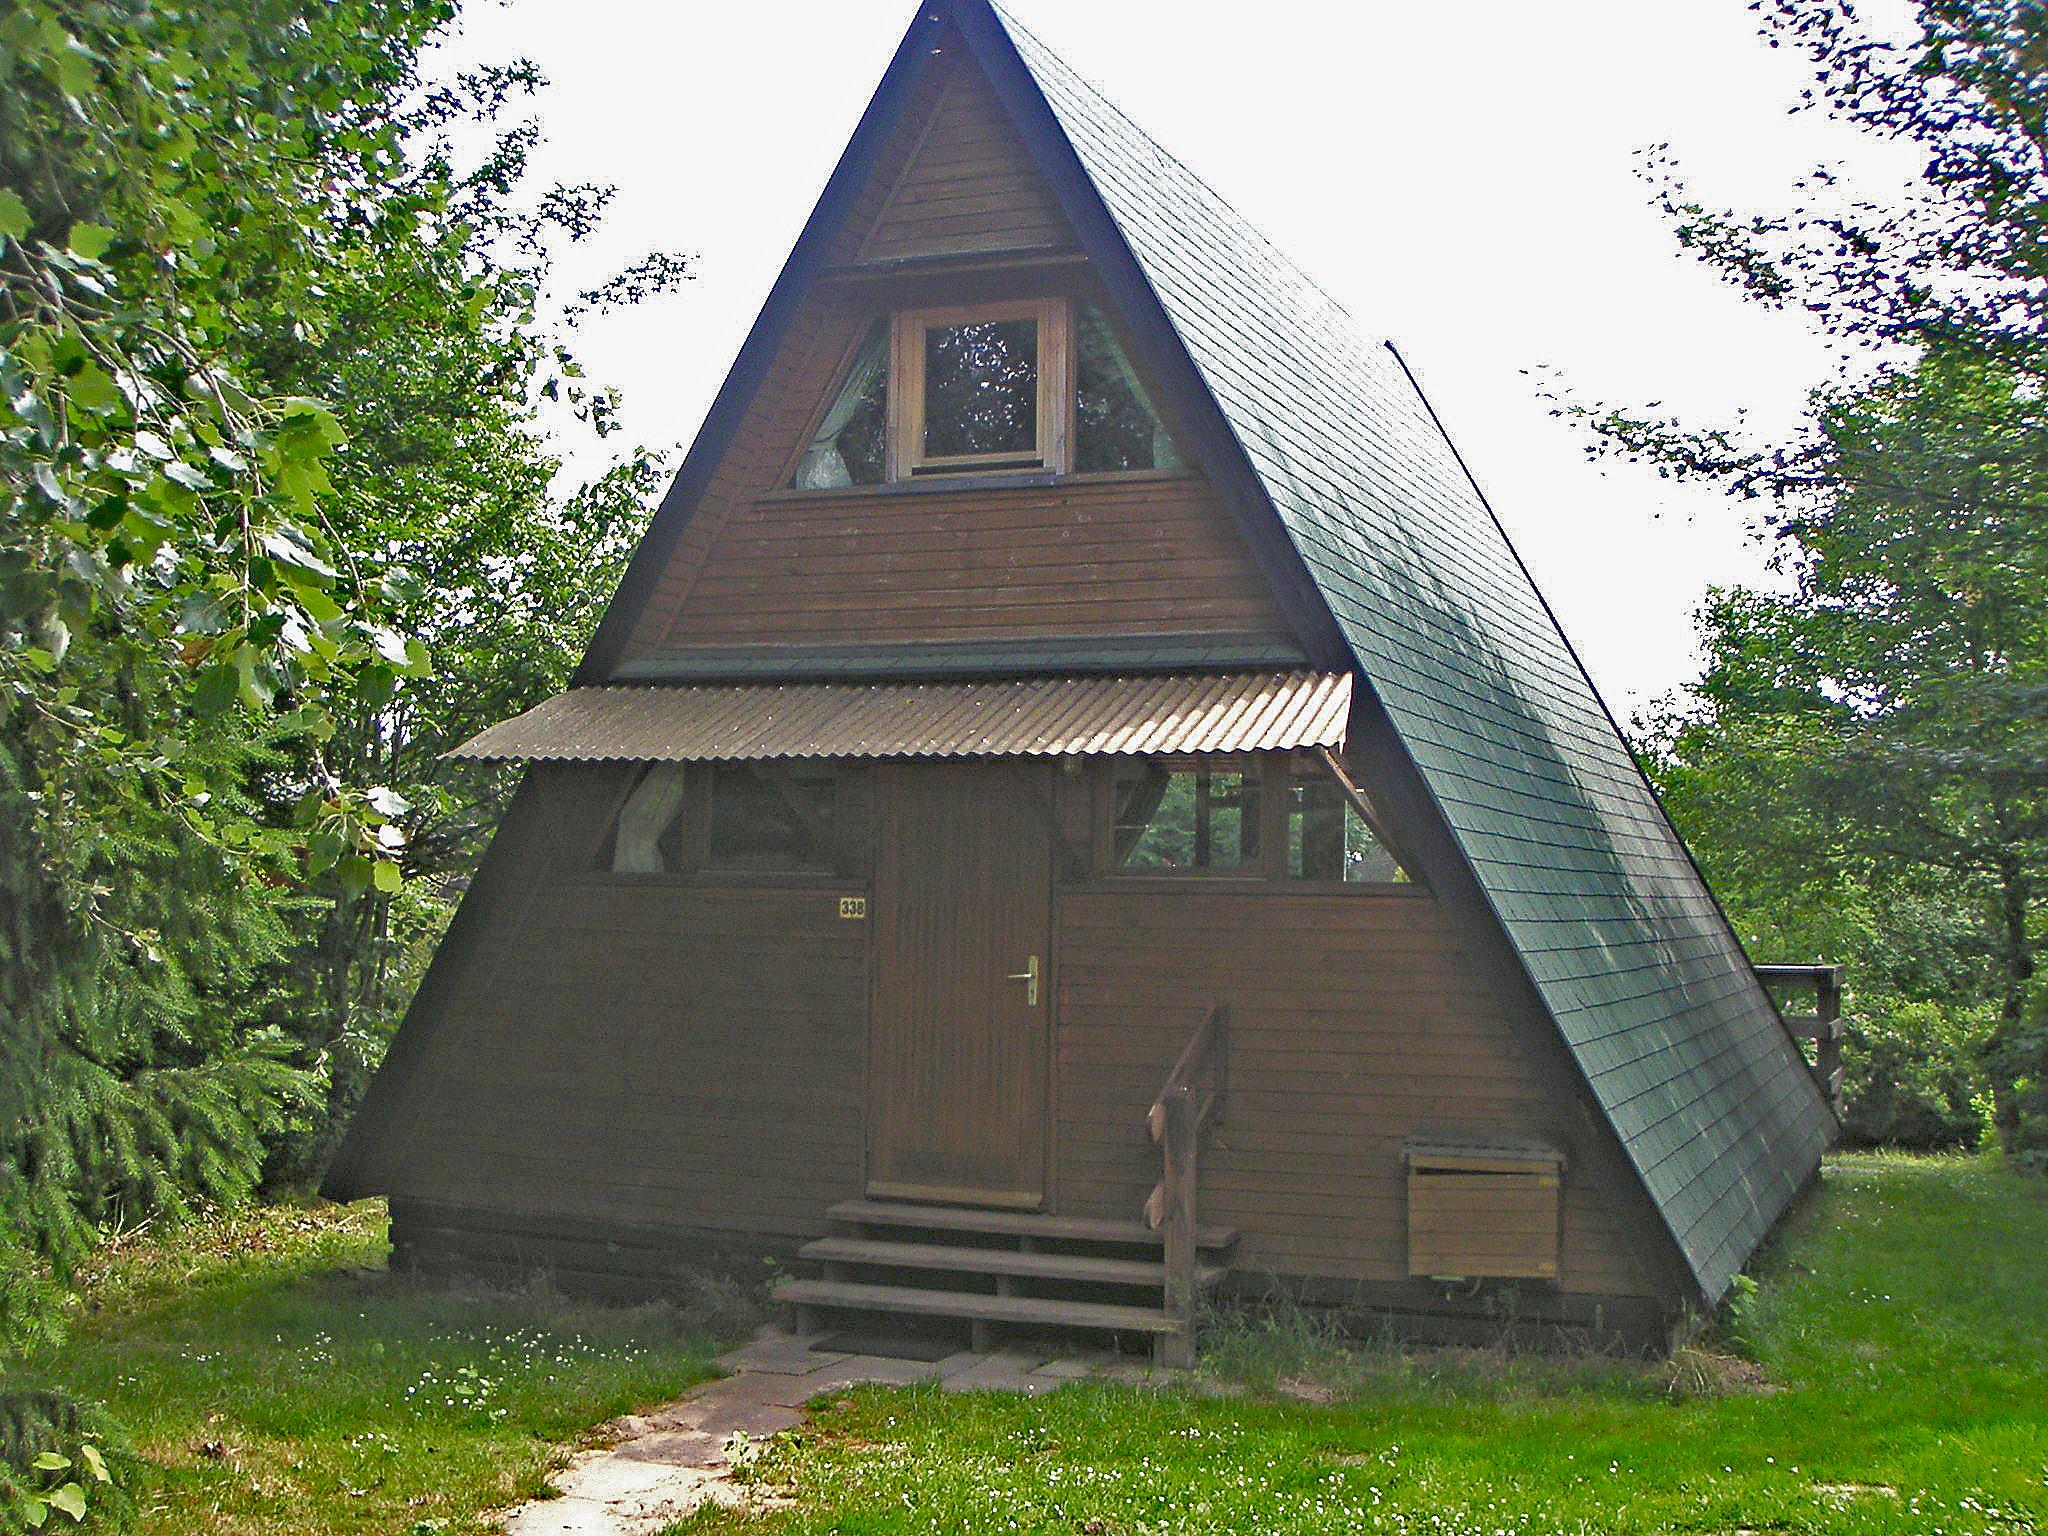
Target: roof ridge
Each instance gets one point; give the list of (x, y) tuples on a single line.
[(1012, 24)]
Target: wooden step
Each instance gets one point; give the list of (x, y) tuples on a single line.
[(998, 1261), (1058, 1229), (976, 1306)]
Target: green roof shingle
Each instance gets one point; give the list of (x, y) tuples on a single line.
[(1647, 984)]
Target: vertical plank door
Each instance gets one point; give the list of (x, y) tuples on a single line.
[(957, 1062)]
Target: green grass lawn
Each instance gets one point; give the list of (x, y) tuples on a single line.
[(1899, 1335), (281, 1382), (1897, 1381)]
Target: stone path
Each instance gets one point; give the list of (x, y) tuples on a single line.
[(666, 1463)]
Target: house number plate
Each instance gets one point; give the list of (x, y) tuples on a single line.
[(853, 906)]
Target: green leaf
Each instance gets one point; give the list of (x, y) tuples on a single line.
[(50, 1461), (13, 214), (95, 1462), (34, 1513), (70, 1498), (287, 547), (387, 877), (93, 389), (90, 240)]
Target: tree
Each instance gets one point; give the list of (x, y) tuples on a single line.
[(268, 432), (1884, 724)]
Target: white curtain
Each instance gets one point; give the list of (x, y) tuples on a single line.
[(824, 467), (645, 816)]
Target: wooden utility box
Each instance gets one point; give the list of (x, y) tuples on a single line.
[(1483, 1210)]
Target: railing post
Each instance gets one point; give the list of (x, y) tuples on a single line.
[(1827, 1047), (1176, 1351)]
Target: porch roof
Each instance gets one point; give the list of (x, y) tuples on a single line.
[(1018, 717)]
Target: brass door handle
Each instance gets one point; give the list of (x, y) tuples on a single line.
[(1029, 976)]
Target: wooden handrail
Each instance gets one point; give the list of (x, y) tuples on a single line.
[(1187, 1105), (1823, 1026)]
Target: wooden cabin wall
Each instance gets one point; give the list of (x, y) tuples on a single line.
[(967, 183), (635, 1054), (1091, 555), (1357, 1022)]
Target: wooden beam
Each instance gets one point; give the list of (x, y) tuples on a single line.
[(1367, 811)]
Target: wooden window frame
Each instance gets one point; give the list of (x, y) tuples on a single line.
[(841, 859), (1275, 773), (907, 459)]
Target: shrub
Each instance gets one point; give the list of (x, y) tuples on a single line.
[(58, 1457), (1914, 1077)]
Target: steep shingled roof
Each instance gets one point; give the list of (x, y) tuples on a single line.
[(1646, 982)]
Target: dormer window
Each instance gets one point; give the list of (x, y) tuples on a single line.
[(1037, 386)]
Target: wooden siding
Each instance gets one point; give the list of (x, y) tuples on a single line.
[(1086, 556), (1103, 557), (968, 184), (647, 1053), (1357, 1023)]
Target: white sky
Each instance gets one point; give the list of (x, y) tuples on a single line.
[(1459, 177)]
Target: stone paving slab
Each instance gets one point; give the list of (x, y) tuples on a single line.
[(673, 1459)]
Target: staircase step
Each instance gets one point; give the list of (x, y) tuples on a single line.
[(998, 1261), (979, 1306), (1061, 1229)]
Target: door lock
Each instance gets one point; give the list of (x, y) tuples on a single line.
[(1029, 976)]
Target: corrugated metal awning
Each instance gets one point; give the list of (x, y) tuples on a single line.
[(1037, 716)]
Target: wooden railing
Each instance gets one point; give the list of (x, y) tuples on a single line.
[(1189, 1103), (1823, 1026)]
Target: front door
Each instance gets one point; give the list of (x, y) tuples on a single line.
[(957, 1052)]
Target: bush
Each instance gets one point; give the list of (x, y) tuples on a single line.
[(58, 1457), (1914, 1077)]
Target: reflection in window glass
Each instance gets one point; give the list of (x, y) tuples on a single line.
[(1192, 820), (850, 445), (1328, 840), (662, 828), (754, 826), (1114, 426), (981, 390)]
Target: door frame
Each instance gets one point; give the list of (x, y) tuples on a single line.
[(1050, 805)]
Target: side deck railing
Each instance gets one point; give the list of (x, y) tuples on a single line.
[(1823, 1026), (1189, 1104)]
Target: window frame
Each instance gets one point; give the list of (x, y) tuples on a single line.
[(842, 854), (907, 460), (1275, 773)]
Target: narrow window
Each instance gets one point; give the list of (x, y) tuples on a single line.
[(1328, 840), (1115, 427), (1185, 820), (850, 446), (725, 818), (770, 820), (982, 390)]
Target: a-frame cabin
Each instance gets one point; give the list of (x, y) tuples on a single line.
[(1075, 800)]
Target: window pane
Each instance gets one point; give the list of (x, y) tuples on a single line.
[(753, 826), (1328, 840), (849, 445), (1194, 821), (1114, 427), (981, 389)]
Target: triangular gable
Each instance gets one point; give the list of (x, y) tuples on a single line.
[(969, 186), (1383, 556)]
